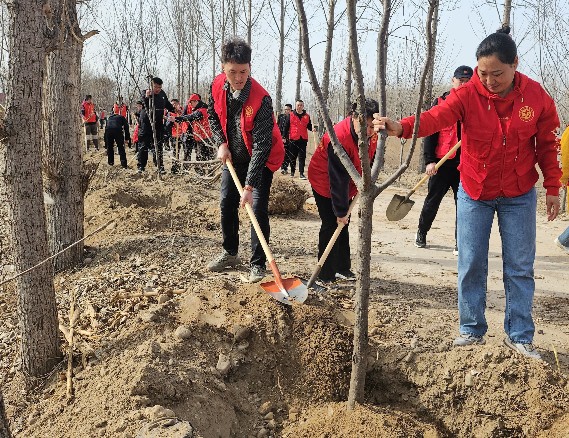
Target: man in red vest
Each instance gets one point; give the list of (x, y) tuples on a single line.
[(89, 117), (120, 108), (243, 125), (300, 123), (447, 176)]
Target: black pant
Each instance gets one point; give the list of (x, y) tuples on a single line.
[(286, 160), (297, 149), (112, 136), (446, 177), (230, 212), (146, 144), (339, 258)]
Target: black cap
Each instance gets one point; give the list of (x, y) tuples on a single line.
[(463, 71)]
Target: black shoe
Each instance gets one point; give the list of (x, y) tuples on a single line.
[(124, 166), (421, 239), (284, 171), (302, 176), (162, 171)]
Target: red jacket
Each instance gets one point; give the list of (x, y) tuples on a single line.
[(448, 137), (250, 108), (88, 112), (298, 126), (498, 156), (201, 128), (318, 175)]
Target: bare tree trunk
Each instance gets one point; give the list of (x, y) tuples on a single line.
[(348, 86), (250, 21), (507, 13), (381, 75), (36, 296), (279, 90), (4, 429), (429, 86), (61, 146), (298, 66), (212, 41), (327, 61)]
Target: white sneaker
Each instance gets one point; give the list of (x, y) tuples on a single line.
[(466, 339), (560, 245), (528, 350)]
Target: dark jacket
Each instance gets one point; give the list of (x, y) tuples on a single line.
[(117, 122), (161, 102), (284, 125)]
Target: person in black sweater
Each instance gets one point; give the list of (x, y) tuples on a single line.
[(447, 176), (117, 132), (158, 98)]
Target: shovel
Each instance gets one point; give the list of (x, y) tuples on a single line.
[(401, 205), (331, 243), (285, 290)]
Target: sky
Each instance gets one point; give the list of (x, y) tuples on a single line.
[(461, 28)]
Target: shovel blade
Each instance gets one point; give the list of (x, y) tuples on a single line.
[(398, 208), (294, 290)]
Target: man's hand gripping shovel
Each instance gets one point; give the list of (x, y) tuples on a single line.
[(285, 290)]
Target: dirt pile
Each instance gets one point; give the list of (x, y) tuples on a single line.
[(286, 196)]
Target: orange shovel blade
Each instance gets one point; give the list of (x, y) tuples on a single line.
[(294, 290)]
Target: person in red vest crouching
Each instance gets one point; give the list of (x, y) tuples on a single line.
[(333, 190), (242, 123), (198, 117), (435, 147), (300, 124)]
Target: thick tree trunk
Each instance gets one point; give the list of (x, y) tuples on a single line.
[(359, 356), (36, 296), (4, 429), (62, 162)]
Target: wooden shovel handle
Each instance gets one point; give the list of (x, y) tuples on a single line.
[(330, 245), (439, 164), (260, 236)]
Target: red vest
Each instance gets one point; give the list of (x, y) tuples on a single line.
[(120, 109), (89, 115), (298, 126), (448, 137), (250, 108), (201, 128), (318, 167), (135, 134)]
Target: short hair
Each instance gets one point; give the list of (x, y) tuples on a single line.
[(88, 96), (174, 100), (298, 100), (236, 50), (501, 44), (288, 105), (157, 80), (139, 102), (371, 107)]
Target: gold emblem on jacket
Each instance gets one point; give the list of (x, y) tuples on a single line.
[(248, 111), (526, 113)]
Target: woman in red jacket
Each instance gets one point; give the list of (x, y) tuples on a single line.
[(333, 189), (508, 125)]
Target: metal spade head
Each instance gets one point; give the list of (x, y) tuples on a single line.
[(292, 290), (398, 207)]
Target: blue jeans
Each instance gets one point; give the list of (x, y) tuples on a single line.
[(517, 224), (564, 238)]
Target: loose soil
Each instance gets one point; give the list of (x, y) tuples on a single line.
[(206, 355)]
